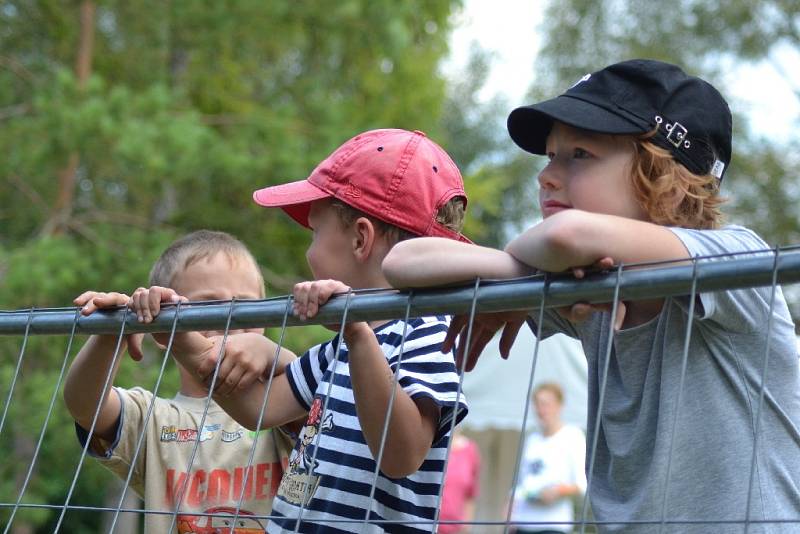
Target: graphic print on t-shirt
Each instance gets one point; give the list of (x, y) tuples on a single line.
[(220, 519), (300, 480), (536, 467)]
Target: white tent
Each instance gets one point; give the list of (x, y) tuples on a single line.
[(496, 391)]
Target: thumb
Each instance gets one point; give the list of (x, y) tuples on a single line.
[(135, 346)]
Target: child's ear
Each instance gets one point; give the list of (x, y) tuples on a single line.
[(363, 238)]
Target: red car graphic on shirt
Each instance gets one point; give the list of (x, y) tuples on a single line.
[(220, 522)]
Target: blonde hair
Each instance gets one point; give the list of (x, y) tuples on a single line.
[(450, 215), (553, 388), (671, 194), (196, 246)]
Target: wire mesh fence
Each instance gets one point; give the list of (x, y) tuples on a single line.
[(682, 282)]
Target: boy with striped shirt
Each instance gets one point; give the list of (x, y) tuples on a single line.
[(380, 187)]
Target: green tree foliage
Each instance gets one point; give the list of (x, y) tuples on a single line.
[(126, 124), (496, 172), (190, 106)]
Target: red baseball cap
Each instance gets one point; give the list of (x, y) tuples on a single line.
[(397, 176)]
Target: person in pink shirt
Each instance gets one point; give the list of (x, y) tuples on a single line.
[(460, 485)]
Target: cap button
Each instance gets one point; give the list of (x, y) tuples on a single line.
[(418, 132)]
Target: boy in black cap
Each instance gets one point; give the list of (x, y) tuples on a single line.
[(636, 154)]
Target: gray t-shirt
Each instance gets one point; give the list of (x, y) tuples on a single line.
[(712, 454)]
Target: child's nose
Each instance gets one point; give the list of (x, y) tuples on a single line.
[(549, 177)]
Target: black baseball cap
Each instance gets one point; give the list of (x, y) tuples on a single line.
[(691, 118)]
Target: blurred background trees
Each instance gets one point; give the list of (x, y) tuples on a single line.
[(127, 124)]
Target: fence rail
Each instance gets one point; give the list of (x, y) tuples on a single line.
[(490, 296), (690, 277)]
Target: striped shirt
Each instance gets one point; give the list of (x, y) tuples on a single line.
[(331, 468)]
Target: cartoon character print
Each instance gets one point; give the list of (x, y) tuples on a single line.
[(218, 520), (300, 460)]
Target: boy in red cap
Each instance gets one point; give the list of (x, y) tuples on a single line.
[(380, 187), (636, 153)]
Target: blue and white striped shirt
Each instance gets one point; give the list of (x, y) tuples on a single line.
[(331, 468)]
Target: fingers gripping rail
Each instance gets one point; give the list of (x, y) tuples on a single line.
[(635, 282)]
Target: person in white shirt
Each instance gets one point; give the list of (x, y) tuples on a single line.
[(552, 469)]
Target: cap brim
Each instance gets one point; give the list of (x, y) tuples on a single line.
[(294, 198), (529, 126)]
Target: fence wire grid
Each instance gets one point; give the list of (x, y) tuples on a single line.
[(691, 277)]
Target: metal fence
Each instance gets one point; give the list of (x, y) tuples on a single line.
[(691, 277)]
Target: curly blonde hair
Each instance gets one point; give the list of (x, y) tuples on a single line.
[(671, 194)]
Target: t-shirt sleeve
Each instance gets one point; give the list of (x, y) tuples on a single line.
[(306, 372), (427, 372), (118, 455), (742, 310), (99, 447)]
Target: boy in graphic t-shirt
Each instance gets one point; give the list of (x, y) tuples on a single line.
[(203, 265)]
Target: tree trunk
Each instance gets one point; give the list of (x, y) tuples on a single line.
[(62, 210)]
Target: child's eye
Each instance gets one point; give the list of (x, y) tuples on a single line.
[(551, 155), (580, 153)]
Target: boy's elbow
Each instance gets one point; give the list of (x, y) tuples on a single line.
[(398, 263), (561, 239), (72, 401), (402, 460), (81, 413), (400, 466), (247, 420), (559, 243)]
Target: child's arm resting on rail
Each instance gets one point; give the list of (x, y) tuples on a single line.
[(575, 238), (565, 240), (572, 239)]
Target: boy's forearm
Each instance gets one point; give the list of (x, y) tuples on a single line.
[(572, 238), (411, 428), (83, 386), (433, 261), (285, 357), (192, 350), (245, 406), (561, 241), (576, 238)]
